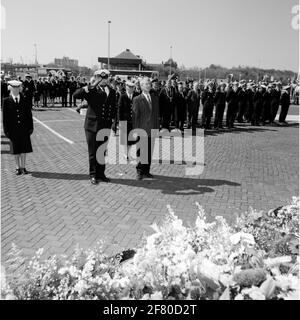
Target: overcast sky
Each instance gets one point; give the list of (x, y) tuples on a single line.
[(201, 32)]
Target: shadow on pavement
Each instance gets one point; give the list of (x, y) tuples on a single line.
[(59, 176), (167, 185), (175, 185)]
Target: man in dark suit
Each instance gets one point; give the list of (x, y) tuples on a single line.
[(220, 102), (72, 88), (64, 86), (193, 101), (125, 116), (4, 88), (28, 88), (266, 112), (166, 105), (18, 125), (250, 95), (98, 116), (232, 104), (285, 104), (145, 116), (181, 107), (208, 105), (242, 103), (257, 106), (275, 101)]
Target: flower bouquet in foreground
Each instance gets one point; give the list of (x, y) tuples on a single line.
[(256, 259)]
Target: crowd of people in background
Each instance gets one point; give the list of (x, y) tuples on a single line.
[(179, 101), (47, 91)]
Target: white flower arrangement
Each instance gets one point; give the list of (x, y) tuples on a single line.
[(206, 261)]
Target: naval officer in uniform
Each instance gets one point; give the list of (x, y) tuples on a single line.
[(18, 124), (99, 116)]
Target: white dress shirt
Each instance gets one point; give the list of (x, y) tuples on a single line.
[(148, 97), (16, 97)]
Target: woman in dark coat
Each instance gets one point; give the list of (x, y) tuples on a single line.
[(125, 117), (220, 102), (18, 125)]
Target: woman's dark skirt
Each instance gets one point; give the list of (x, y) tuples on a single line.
[(20, 143)]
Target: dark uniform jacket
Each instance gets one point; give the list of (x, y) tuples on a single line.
[(28, 89), (267, 100), (285, 99), (99, 112), (208, 101), (72, 86), (250, 95), (4, 90), (193, 99), (17, 118), (220, 98), (166, 100), (258, 99), (275, 97), (144, 116), (242, 97), (181, 104), (63, 87), (125, 107), (232, 97)]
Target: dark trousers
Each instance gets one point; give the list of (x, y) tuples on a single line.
[(265, 116), (218, 123), (230, 116), (166, 119), (116, 122), (256, 114), (72, 100), (193, 116), (283, 112), (145, 168), (206, 116), (274, 110), (241, 112), (64, 100), (249, 112), (179, 123), (45, 99), (96, 170)]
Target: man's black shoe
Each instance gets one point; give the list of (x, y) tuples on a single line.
[(104, 179), (24, 171), (18, 172), (139, 176), (93, 181), (148, 175)]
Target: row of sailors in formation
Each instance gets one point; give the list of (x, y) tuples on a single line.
[(51, 89), (246, 102), (180, 101)]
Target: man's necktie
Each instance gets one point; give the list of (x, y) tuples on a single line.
[(149, 100), (16, 100)]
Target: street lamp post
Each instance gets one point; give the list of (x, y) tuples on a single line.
[(35, 54), (170, 60), (108, 56)]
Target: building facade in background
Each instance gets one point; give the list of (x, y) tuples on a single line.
[(66, 62), (127, 64)]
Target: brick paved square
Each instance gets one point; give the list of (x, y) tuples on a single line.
[(55, 207)]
